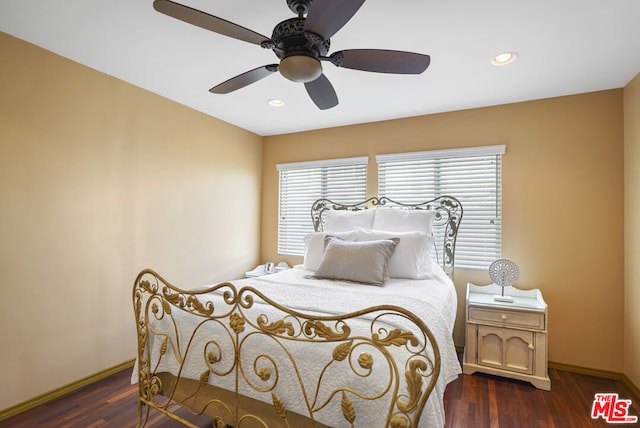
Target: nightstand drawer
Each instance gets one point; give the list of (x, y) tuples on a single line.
[(507, 318)]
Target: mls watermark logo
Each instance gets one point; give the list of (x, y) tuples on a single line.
[(612, 409)]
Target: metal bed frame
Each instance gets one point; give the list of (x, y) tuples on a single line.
[(241, 314)]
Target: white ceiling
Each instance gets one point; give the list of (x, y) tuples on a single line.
[(565, 46)]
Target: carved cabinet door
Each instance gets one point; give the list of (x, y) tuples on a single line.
[(506, 348)]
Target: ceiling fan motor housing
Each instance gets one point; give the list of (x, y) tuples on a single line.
[(290, 38)]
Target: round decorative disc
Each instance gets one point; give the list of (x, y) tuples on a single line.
[(504, 272)]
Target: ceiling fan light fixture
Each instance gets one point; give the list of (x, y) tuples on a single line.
[(300, 68), (504, 58)]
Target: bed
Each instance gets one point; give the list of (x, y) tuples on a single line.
[(359, 335)]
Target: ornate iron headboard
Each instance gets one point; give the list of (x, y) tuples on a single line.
[(448, 214)]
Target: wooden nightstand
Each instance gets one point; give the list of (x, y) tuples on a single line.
[(507, 339)]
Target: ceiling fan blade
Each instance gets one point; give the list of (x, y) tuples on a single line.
[(244, 79), (326, 17), (381, 61), (322, 93), (208, 22)]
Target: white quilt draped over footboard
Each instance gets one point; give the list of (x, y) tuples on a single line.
[(432, 300)]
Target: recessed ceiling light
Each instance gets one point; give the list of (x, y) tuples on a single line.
[(504, 58), (274, 102)]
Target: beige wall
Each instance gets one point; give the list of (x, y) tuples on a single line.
[(562, 199), (632, 229), (99, 179)]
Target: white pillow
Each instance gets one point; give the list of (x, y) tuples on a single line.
[(365, 262), (411, 258), (345, 221), (314, 247), (403, 220)]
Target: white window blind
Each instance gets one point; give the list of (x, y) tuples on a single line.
[(302, 183), (472, 175)]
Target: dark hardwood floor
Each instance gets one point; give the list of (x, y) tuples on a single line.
[(487, 401), (470, 401)]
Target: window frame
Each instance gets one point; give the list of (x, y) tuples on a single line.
[(477, 244), (294, 211)]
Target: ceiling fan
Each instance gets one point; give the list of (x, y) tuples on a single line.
[(301, 44)]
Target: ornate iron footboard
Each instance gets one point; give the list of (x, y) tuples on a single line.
[(247, 346)]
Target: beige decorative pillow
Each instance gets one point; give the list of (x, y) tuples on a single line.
[(314, 244), (365, 262)]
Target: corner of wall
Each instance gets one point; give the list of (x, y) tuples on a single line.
[(631, 99)]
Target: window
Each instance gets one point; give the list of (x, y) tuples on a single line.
[(302, 183), (474, 176)]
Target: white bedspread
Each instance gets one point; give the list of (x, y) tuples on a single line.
[(432, 300)]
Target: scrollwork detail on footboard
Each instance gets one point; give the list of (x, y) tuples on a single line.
[(211, 350)]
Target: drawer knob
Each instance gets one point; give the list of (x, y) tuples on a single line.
[(504, 317), (531, 346)]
